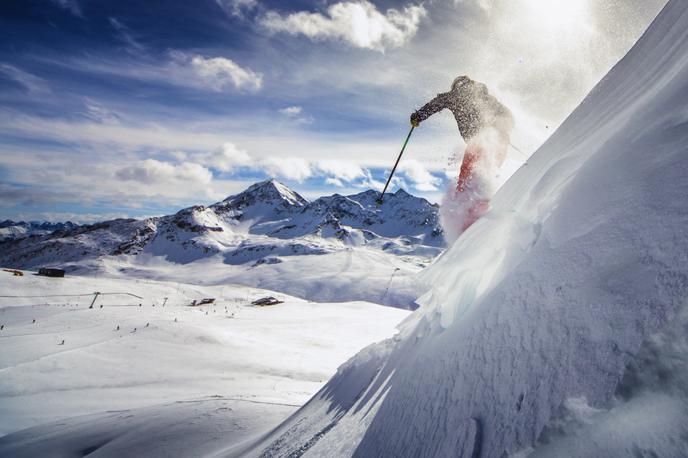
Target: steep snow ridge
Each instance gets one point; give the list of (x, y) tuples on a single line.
[(539, 309)]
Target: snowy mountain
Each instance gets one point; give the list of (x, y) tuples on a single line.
[(556, 325), (266, 225), (17, 229), (283, 223)]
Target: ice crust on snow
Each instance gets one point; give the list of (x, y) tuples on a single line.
[(540, 310)]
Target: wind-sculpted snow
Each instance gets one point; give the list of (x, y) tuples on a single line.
[(539, 311)]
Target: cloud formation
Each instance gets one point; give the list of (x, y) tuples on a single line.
[(152, 171), (125, 35), (236, 7), (70, 5), (419, 175), (291, 168), (295, 113), (227, 158), (339, 171), (30, 82), (358, 23), (291, 111), (218, 73)]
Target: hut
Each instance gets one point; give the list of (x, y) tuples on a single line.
[(51, 272)]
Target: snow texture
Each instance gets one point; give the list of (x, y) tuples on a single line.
[(162, 378), (543, 324)]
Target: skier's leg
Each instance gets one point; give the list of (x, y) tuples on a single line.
[(470, 186), (471, 157)]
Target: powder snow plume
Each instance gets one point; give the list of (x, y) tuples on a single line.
[(467, 200)]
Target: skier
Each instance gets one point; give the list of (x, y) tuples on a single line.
[(485, 125)]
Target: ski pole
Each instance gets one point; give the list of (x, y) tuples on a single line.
[(518, 150), (379, 200)]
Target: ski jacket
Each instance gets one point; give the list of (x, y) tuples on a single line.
[(473, 107)]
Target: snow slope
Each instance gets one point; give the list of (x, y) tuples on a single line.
[(267, 236), (198, 427), (545, 329), (166, 362)]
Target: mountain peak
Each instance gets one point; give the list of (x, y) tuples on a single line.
[(269, 190)]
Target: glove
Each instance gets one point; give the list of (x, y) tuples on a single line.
[(415, 119)]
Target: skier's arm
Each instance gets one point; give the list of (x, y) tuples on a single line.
[(439, 103)]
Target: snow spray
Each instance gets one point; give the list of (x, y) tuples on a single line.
[(467, 200)]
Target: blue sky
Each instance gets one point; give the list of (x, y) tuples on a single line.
[(130, 108)]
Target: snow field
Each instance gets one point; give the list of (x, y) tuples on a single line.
[(230, 349)]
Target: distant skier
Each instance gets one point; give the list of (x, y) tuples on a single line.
[(485, 125)]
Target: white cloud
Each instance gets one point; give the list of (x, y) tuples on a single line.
[(485, 5), (291, 168), (32, 83), (227, 158), (294, 113), (218, 73), (341, 170), (370, 182), (237, 7), (152, 171), (334, 182), (99, 113), (178, 155), (419, 175), (358, 23), (291, 111), (124, 34)]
